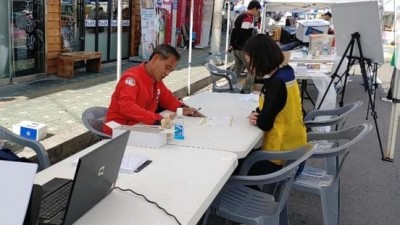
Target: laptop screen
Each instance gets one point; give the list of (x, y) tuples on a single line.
[(95, 177), (16, 179)]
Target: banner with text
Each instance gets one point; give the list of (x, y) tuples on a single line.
[(148, 15)]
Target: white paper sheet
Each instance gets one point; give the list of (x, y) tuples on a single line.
[(218, 121)]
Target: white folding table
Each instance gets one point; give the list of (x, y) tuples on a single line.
[(240, 138), (182, 180)]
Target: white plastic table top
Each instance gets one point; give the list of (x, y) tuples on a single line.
[(239, 138), (184, 181)]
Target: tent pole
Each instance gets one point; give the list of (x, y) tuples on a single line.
[(228, 23), (119, 36), (190, 46), (394, 117)]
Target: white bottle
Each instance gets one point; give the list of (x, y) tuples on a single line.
[(325, 50), (179, 127), (304, 51)]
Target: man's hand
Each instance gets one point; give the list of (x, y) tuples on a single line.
[(188, 111)]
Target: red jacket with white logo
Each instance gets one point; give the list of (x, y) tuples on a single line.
[(136, 98)]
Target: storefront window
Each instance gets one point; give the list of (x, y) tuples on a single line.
[(27, 35), (4, 42), (69, 26), (101, 28)]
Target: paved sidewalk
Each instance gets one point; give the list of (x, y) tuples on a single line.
[(60, 102)]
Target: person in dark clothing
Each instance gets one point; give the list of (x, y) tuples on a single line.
[(243, 30), (279, 113)]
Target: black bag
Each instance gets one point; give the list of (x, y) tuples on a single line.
[(7, 154)]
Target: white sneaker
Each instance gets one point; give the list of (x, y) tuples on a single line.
[(386, 99)]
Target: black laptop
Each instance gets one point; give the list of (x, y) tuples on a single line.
[(65, 201)]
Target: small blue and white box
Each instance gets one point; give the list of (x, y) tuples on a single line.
[(31, 130)]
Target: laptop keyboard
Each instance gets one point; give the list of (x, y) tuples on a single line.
[(55, 202)]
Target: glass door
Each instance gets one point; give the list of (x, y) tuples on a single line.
[(4, 44), (70, 25), (126, 15), (27, 37), (101, 28)]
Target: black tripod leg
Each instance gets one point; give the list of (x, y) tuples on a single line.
[(347, 73), (334, 75), (371, 103)]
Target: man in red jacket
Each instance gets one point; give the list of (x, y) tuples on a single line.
[(140, 91)]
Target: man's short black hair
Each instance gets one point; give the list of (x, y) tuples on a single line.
[(328, 14), (254, 4), (165, 51)]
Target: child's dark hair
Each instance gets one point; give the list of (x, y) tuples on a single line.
[(265, 55)]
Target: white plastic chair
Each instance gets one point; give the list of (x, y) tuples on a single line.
[(232, 85), (330, 117), (240, 203), (326, 181)]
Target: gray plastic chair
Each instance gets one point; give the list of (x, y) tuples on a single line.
[(240, 203), (93, 119), (232, 86), (41, 153), (326, 181), (330, 117)]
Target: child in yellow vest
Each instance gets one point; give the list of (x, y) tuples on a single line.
[(279, 113)]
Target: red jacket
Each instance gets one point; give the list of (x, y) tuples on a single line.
[(136, 98)]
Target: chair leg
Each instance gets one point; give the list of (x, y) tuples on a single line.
[(330, 204), (283, 217), (206, 215)]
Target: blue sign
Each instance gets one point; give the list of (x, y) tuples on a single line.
[(28, 133)]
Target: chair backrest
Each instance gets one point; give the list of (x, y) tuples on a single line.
[(284, 176), (217, 73), (93, 119), (336, 144), (41, 153), (330, 117)]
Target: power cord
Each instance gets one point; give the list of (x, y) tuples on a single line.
[(152, 202)]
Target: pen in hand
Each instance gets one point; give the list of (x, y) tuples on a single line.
[(197, 113)]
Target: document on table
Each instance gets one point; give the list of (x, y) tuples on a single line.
[(218, 121), (249, 98), (129, 164)]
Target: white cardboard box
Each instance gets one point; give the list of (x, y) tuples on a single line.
[(141, 135), (31, 130), (308, 27)]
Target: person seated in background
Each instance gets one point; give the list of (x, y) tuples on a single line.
[(279, 113), (140, 91)]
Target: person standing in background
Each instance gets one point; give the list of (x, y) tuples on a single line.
[(328, 17), (243, 30)]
